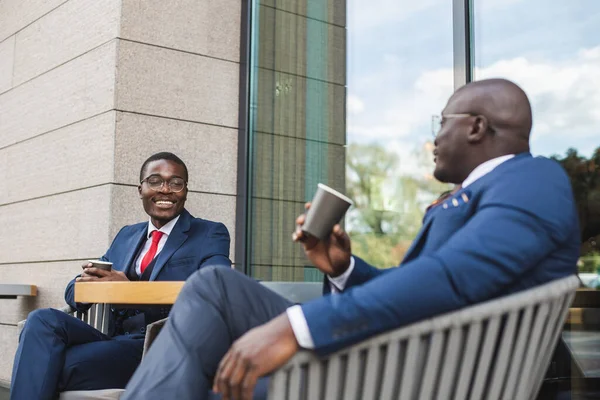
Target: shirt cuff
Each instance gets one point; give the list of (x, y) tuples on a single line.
[(300, 327), (338, 283)]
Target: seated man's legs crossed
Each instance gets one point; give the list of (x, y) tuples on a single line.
[(215, 307)]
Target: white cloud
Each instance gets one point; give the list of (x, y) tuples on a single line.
[(354, 104), (395, 113), (565, 97)]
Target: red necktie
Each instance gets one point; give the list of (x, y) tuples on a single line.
[(156, 235)]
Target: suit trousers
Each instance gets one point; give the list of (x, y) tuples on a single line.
[(215, 307), (57, 352)]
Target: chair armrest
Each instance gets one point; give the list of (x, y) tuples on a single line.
[(152, 331), (128, 292), (12, 290)]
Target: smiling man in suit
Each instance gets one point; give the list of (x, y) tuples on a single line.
[(58, 352), (510, 225)]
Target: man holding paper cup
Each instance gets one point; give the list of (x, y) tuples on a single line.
[(58, 352), (511, 224)]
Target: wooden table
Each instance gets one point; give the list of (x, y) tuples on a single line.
[(12, 290), (127, 292)]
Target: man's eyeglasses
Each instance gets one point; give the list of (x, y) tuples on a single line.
[(437, 120), (157, 183)]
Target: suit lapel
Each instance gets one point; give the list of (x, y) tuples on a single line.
[(135, 241), (177, 237), (417, 244)]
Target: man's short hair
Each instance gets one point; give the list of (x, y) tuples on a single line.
[(163, 155)]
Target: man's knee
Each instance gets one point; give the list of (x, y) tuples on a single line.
[(216, 271), (43, 318), (212, 276), (210, 283)]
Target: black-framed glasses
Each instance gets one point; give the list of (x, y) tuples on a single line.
[(157, 183), (436, 121)]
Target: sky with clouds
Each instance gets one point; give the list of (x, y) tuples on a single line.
[(400, 68)]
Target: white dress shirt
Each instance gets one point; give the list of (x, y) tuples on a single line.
[(338, 283), (166, 230)]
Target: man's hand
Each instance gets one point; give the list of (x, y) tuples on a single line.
[(257, 353), (332, 256), (92, 274)]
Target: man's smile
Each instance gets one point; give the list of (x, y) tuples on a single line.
[(164, 203)]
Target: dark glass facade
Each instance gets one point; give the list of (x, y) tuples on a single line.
[(296, 127)]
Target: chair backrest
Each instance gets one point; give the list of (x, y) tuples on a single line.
[(499, 349), (96, 316), (297, 292)]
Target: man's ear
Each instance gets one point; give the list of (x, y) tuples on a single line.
[(140, 190), (478, 129)]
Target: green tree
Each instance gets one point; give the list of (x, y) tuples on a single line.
[(368, 168), (389, 202), (584, 175)]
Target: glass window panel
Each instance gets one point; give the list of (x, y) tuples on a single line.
[(400, 74), (297, 125)]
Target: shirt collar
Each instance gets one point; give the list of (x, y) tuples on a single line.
[(166, 229), (485, 168)]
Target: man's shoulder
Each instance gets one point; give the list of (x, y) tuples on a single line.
[(536, 185), (133, 228), (530, 174), (205, 225), (203, 222)]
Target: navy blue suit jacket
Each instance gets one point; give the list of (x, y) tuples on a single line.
[(512, 229), (193, 243)]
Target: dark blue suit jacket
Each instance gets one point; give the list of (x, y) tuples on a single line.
[(517, 228), (193, 243)]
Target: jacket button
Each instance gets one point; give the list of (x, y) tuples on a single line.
[(143, 330), (126, 333)]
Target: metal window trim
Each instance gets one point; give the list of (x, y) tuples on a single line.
[(462, 32), (243, 198)]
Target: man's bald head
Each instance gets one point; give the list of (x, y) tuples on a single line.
[(482, 120), (503, 102)]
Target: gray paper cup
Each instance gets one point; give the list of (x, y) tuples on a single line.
[(105, 265), (327, 209)]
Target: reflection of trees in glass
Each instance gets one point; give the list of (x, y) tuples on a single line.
[(585, 179), (388, 203)]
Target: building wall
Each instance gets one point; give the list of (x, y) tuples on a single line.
[(88, 90)]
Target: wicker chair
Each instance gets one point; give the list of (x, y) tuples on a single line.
[(495, 350)]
